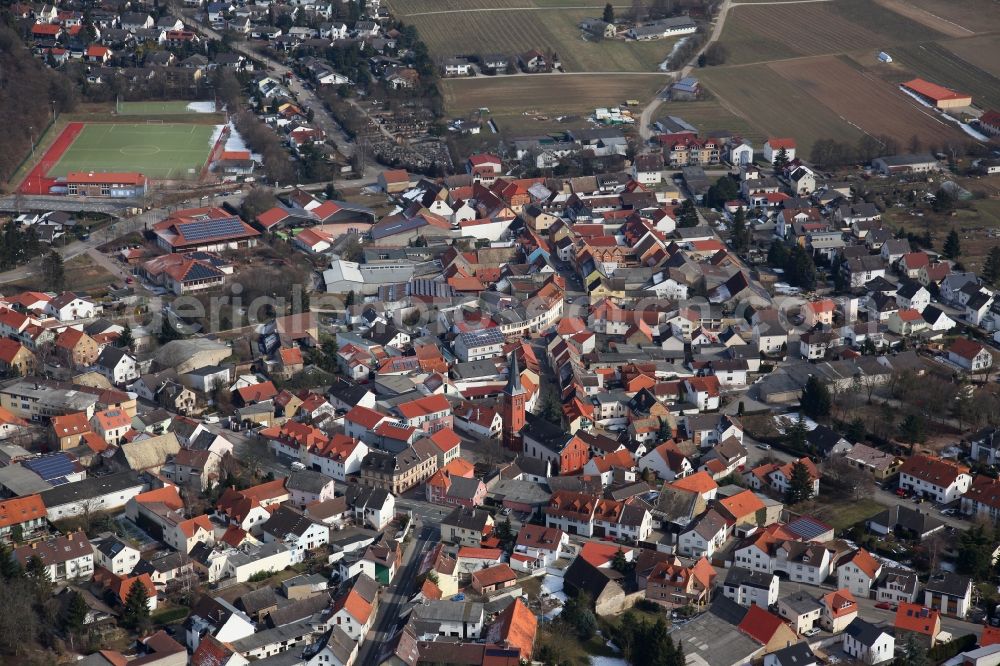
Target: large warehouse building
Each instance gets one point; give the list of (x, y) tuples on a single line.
[(939, 96)]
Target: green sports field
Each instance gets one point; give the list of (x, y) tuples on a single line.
[(163, 108), (159, 150)]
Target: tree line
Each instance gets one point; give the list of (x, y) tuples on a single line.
[(31, 94)]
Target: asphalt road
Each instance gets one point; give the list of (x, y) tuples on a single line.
[(393, 597)]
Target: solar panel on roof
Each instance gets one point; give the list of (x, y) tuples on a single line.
[(201, 272), (50, 467), (807, 529), (489, 336), (202, 229)]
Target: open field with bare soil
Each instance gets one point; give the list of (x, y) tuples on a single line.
[(508, 98), (513, 32), (709, 115), (775, 106), (974, 15), (924, 17), (886, 110), (774, 32), (980, 51)]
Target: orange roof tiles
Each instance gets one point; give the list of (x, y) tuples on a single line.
[(424, 406), (258, 392), (599, 554), (840, 603), (863, 560), (368, 418), (71, 424), (936, 471), (500, 573), (699, 482), (742, 504), (918, 619), (166, 495), (516, 627), (21, 509)]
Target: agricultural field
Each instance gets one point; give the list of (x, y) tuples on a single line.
[(816, 28), (940, 65), (974, 15), (885, 111), (775, 106), (512, 32), (517, 102), (924, 17), (979, 51), (157, 150), (709, 115)]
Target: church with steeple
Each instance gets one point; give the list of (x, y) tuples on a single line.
[(512, 407)]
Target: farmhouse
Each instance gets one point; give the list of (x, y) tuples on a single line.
[(939, 96), (773, 147), (113, 185), (670, 27), (896, 164), (989, 123)]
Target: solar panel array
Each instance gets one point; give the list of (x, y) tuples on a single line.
[(50, 467), (488, 336), (204, 229), (806, 528), (200, 271)]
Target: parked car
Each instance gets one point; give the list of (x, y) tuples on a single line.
[(901, 492), (811, 632), (885, 605), (766, 447)]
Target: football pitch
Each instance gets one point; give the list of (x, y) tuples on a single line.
[(162, 151)]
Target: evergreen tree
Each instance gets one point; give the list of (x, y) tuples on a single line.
[(777, 255), (136, 613), (126, 340), (9, 568), (991, 269), (800, 269), (856, 430), (168, 331), (911, 430), (619, 563), (687, 215), (38, 573), (740, 233), (663, 432), (781, 160), (53, 271), (796, 435), (816, 401), (578, 614), (75, 614), (952, 245), (800, 487), (913, 654), (609, 13), (975, 552)]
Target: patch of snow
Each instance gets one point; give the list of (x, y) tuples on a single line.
[(792, 417), (201, 107), (552, 584), (664, 66), (607, 661), (235, 141)]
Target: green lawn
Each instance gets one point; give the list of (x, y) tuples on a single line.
[(844, 514), (155, 108), (163, 151)]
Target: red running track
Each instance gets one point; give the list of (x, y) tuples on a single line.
[(37, 181)]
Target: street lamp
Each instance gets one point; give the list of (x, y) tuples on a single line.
[(31, 137), (52, 108)]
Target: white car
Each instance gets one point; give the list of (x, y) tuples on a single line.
[(811, 632), (211, 418), (766, 447)]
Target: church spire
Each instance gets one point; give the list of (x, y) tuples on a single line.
[(514, 378)]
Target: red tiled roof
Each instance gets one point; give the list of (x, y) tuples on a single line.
[(166, 495), (19, 510), (932, 90), (699, 482), (778, 143), (863, 560), (272, 216), (936, 471), (760, 625), (257, 392), (424, 406), (918, 619), (967, 349), (368, 418)]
